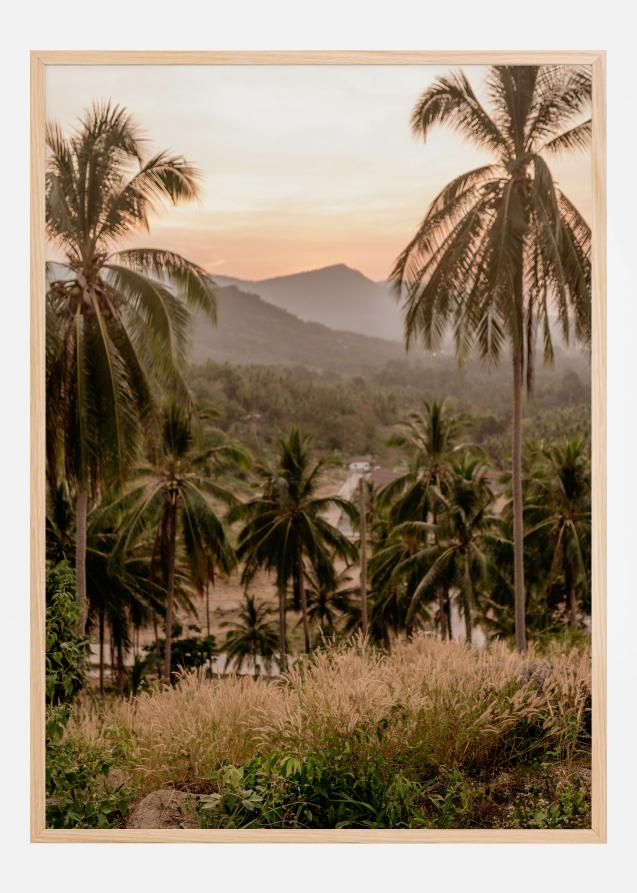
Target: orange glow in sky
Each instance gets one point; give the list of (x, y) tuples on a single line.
[(303, 166)]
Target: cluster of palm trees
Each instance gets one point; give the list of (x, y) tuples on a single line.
[(443, 533), (140, 483), (501, 247)]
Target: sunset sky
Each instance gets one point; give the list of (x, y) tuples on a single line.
[(303, 166)]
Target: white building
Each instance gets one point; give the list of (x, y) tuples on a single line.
[(360, 464)]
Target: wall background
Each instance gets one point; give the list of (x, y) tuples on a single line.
[(330, 24)]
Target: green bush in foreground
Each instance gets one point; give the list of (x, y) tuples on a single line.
[(330, 790), (82, 791), (66, 647), (433, 735)]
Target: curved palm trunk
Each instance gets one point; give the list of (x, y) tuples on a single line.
[(283, 657), (81, 511), (518, 509), (170, 585), (303, 594), (467, 594)]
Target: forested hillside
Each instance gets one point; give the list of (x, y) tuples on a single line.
[(355, 414), (251, 330)]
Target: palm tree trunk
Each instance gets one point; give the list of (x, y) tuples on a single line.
[(101, 651), (283, 657), (466, 601), (518, 508), (442, 614), (448, 615), (81, 511), (208, 620), (156, 633), (363, 510), (121, 672), (303, 596), (572, 596), (170, 585)]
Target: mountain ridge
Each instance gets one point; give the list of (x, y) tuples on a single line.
[(336, 296), (252, 331)]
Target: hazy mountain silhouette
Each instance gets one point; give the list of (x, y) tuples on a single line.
[(252, 331), (335, 296)]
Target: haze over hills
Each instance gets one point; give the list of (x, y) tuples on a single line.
[(336, 296), (324, 319), (345, 300), (252, 331)]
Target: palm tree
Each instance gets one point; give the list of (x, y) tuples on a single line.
[(394, 580), (559, 507), (502, 244), (177, 494), (116, 321), (253, 635), (60, 523), (285, 527), (461, 534), (429, 440), (329, 594)]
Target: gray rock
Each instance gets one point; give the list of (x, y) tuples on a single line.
[(165, 808)]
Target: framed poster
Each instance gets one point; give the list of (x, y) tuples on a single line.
[(318, 447)]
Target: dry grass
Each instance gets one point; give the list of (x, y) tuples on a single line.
[(427, 705)]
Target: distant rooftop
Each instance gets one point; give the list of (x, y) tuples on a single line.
[(383, 476)]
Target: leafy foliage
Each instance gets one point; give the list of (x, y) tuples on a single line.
[(285, 528), (81, 790), (253, 636), (187, 652), (66, 648)]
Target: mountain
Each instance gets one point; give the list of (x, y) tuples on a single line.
[(336, 296), (252, 331)]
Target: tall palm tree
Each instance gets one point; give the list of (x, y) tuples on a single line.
[(461, 535), (501, 245), (177, 494), (253, 635), (559, 508), (116, 320), (286, 530)]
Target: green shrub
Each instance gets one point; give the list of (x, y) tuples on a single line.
[(348, 785), (557, 804), (82, 788), (66, 648), (318, 791), (187, 653)]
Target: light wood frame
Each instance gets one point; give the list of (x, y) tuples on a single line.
[(597, 833)]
